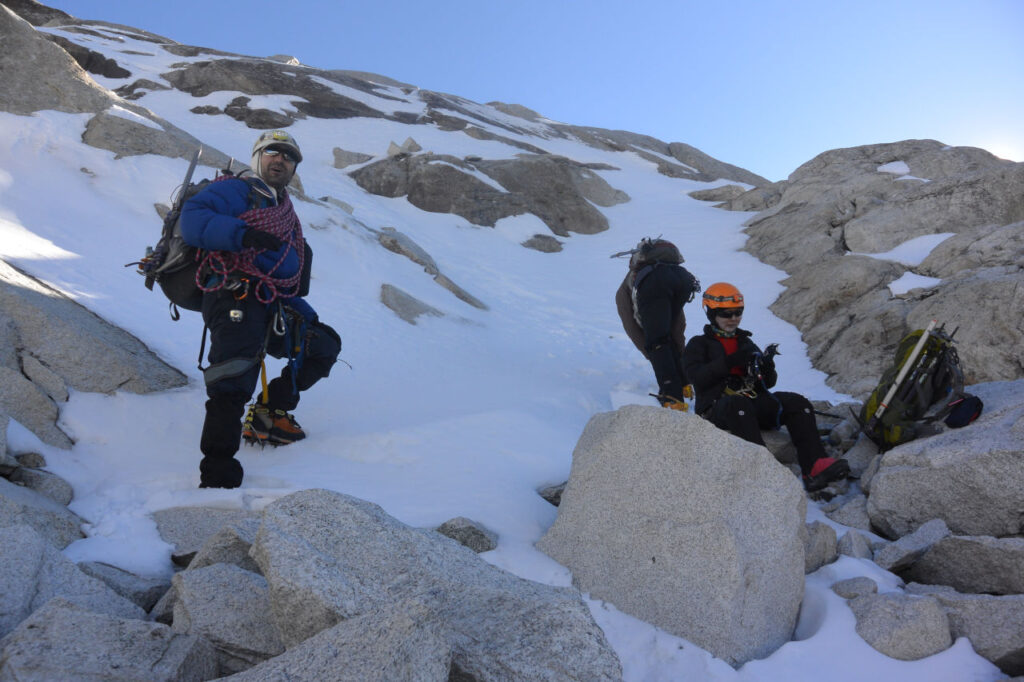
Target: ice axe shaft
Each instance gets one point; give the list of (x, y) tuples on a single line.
[(882, 406)]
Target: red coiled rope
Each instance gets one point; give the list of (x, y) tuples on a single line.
[(279, 221)]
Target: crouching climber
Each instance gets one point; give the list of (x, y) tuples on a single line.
[(254, 274), (650, 301), (732, 378)]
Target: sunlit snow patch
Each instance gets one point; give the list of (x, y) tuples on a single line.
[(911, 281), (913, 251)]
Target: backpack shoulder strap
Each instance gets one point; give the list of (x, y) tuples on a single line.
[(638, 277)]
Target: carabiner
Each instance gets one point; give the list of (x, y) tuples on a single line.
[(280, 326)]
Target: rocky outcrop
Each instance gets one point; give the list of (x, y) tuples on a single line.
[(555, 189), (313, 97), (38, 74), (63, 641), (397, 242), (721, 566), (869, 200), (328, 558), (56, 344), (405, 305)]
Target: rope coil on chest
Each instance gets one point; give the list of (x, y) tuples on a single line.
[(279, 221)]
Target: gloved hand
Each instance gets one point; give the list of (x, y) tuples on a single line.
[(740, 358), (258, 239), (688, 391)]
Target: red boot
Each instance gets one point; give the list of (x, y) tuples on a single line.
[(824, 471)]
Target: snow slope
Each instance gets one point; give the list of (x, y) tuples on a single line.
[(463, 415)]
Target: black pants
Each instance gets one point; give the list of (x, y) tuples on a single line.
[(234, 365), (659, 303), (747, 417)]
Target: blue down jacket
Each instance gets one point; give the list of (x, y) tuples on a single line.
[(210, 221)]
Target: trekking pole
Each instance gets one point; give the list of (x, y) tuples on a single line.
[(882, 406)]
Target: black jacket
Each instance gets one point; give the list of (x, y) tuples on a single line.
[(704, 360)]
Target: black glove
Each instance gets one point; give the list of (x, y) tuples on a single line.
[(257, 239), (740, 358)]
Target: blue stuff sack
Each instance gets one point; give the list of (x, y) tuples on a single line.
[(965, 410)]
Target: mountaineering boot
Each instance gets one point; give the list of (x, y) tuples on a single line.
[(825, 471), (674, 404), (263, 425), (220, 472)]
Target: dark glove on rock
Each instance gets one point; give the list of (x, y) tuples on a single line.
[(739, 359), (257, 239)]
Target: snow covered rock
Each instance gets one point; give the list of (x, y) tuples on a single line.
[(22, 506), (970, 478), (405, 305), (686, 527), (902, 626), (328, 557), (63, 641)]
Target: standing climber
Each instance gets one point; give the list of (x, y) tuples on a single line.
[(254, 272), (650, 302), (732, 378)]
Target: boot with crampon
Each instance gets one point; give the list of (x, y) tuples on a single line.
[(264, 425)]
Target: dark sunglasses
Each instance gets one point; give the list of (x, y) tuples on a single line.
[(728, 314), (289, 156)]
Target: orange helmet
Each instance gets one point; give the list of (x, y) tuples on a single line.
[(722, 295)]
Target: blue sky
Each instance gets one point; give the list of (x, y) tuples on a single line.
[(764, 85)]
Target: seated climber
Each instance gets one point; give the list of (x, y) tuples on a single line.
[(732, 378)]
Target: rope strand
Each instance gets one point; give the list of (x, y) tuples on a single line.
[(279, 221)]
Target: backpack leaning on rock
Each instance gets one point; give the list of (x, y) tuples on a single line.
[(925, 373)]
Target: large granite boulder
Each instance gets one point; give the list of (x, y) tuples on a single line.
[(328, 558), (684, 526), (970, 478)]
